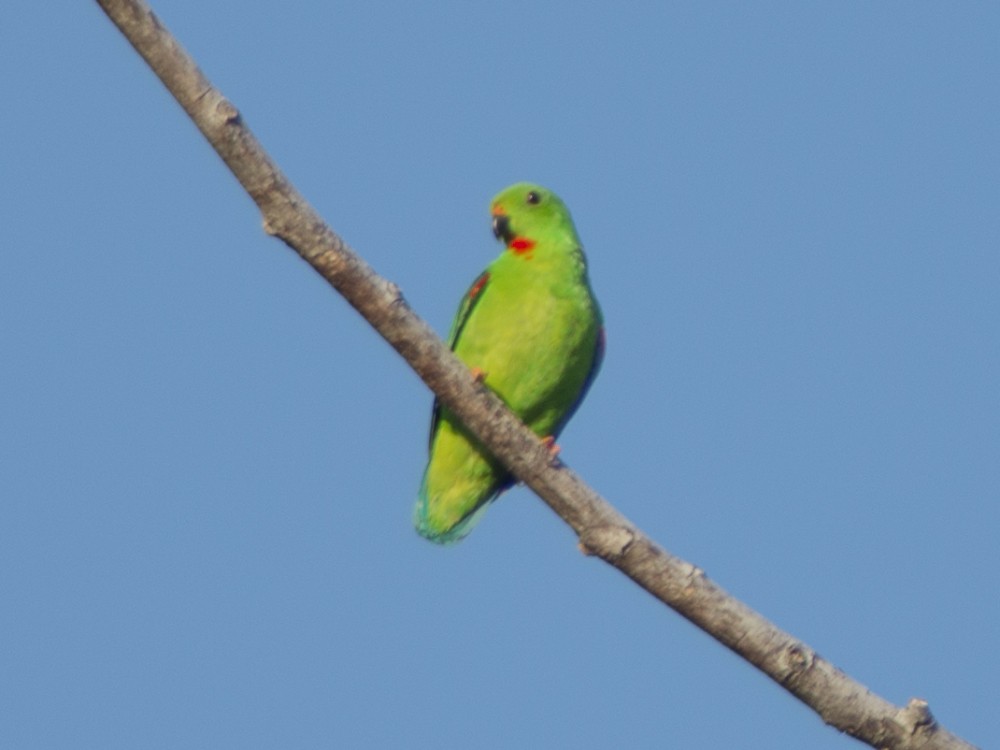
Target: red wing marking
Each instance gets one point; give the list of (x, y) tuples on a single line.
[(478, 286)]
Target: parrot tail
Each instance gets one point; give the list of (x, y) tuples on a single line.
[(432, 528)]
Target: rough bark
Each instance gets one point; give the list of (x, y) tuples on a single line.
[(840, 701)]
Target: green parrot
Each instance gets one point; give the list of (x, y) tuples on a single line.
[(531, 329)]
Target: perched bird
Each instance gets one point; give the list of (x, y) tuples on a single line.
[(530, 327)]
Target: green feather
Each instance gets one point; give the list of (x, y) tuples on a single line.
[(531, 324)]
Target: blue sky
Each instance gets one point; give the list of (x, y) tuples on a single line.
[(208, 460)]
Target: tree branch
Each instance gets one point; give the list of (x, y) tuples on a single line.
[(840, 701)]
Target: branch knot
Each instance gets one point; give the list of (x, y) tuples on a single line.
[(916, 717), (607, 542)]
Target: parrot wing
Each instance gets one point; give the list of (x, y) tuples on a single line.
[(595, 366), (468, 302)]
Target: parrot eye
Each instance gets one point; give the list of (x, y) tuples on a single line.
[(533, 198)]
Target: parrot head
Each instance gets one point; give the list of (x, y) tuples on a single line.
[(524, 212)]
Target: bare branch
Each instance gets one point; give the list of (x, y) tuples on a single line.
[(840, 701)]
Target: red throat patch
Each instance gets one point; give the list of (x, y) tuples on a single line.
[(522, 246)]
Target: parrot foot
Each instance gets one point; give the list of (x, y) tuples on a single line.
[(478, 375), (549, 442)]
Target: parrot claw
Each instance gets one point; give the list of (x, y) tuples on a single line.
[(549, 442)]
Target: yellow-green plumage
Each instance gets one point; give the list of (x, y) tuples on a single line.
[(531, 325)]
